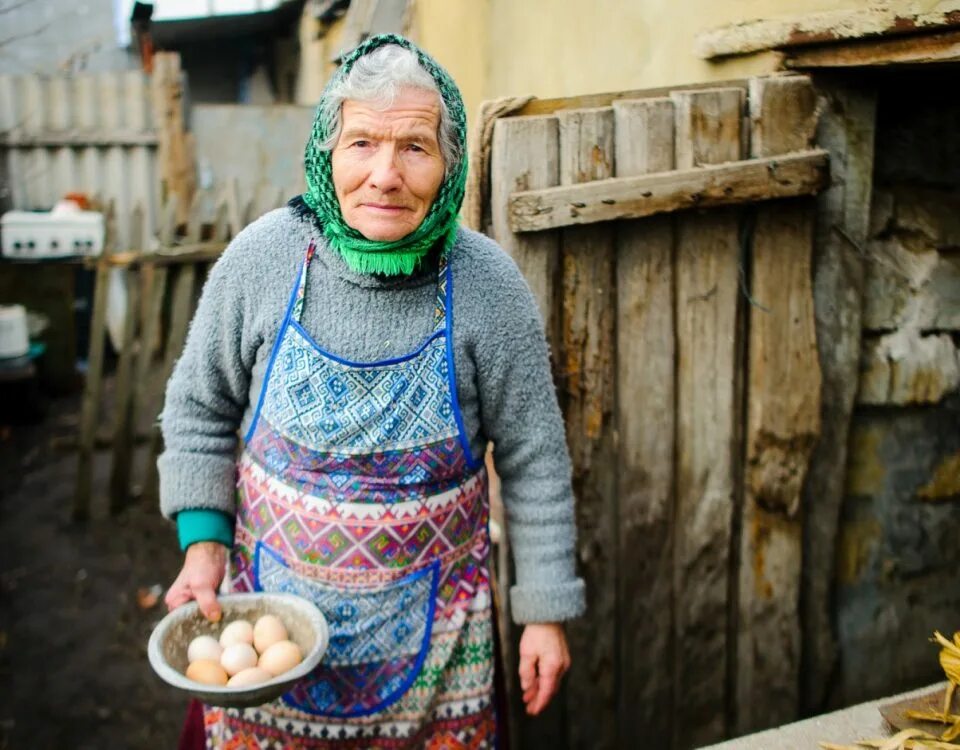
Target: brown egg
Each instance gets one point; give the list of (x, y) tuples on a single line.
[(238, 631), (238, 657), (207, 672), (248, 677), (268, 631), (280, 657)]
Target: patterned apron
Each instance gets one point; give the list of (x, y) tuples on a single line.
[(358, 491)]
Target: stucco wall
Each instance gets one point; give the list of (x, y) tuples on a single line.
[(898, 555), (555, 48)]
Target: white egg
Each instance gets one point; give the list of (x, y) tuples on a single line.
[(280, 657), (238, 657), (204, 647), (268, 631), (248, 677), (238, 631)]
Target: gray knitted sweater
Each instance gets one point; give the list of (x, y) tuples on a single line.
[(502, 374)]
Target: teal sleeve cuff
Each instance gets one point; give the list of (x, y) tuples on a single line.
[(204, 525)]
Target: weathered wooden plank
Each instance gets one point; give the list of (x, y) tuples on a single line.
[(843, 217), (607, 98), (174, 154), (90, 405), (236, 213), (783, 421), (587, 378), (708, 343), (910, 50), (524, 155), (154, 291), (787, 176), (123, 411), (645, 407), (176, 255)]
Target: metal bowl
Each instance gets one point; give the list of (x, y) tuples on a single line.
[(167, 649)]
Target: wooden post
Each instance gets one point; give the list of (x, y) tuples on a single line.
[(154, 291), (645, 406), (846, 129), (90, 406), (708, 349), (783, 420), (175, 146), (123, 425), (525, 155), (167, 233), (587, 377)]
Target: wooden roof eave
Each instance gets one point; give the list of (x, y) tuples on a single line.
[(853, 38)]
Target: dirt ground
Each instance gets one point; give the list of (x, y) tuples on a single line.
[(73, 663)]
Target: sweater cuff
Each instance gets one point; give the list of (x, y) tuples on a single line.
[(203, 525), (547, 603), (190, 480)]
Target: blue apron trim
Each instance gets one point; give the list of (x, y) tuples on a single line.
[(295, 583), (349, 363), (273, 356), (452, 377)]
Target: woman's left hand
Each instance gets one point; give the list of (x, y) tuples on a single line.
[(544, 658)]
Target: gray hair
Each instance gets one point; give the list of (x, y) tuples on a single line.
[(379, 78)]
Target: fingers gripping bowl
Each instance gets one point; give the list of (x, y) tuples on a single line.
[(167, 648)]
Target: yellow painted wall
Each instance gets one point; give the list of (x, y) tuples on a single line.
[(318, 43), (455, 32), (556, 48), (571, 47)]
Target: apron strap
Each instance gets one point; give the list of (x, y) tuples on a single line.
[(443, 282), (302, 284)]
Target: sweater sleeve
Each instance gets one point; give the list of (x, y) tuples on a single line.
[(520, 414), (208, 392)]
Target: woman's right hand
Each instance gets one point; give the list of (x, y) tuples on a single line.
[(204, 566)]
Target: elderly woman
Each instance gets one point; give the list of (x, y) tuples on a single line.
[(367, 349)]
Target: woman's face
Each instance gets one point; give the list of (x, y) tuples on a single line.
[(387, 165)]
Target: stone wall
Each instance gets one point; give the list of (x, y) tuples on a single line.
[(899, 546)]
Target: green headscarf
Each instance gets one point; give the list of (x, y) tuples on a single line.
[(440, 223)]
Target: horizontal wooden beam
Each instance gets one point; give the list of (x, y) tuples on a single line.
[(605, 99), (818, 28), (200, 252), (901, 50), (76, 139), (786, 176)]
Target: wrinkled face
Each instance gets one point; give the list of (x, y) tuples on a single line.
[(387, 165)]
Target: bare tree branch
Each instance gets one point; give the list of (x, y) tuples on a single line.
[(14, 6), (25, 35)]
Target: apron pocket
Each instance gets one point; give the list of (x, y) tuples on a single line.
[(379, 636)]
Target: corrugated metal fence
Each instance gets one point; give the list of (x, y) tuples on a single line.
[(93, 134)]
